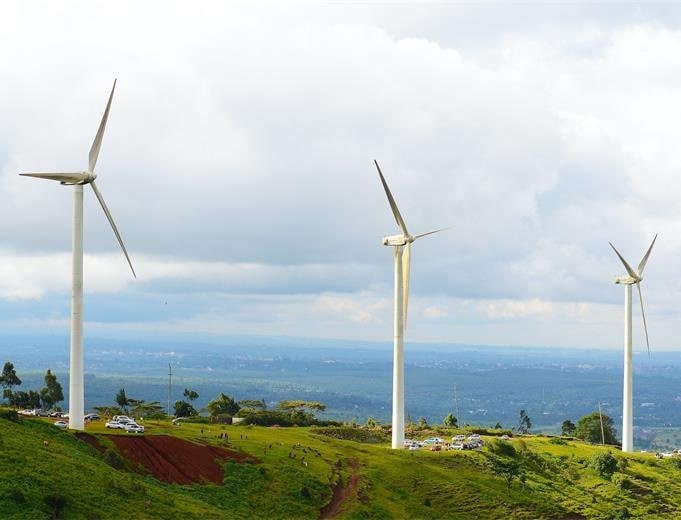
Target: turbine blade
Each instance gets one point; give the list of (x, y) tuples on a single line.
[(431, 232), (67, 177), (391, 200), (630, 271), (97, 143), (113, 224), (642, 265), (406, 267), (645, 327)]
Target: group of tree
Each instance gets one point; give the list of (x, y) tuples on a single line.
[(594, 427), (46, 398)]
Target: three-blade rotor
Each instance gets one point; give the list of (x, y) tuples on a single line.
[(88, 177), (402, 244), (635, 277)]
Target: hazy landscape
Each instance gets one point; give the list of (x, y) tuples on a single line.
[(354, 378)]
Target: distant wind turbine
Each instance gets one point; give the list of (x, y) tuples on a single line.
[(632, 277), (77, 180), (402, 251)]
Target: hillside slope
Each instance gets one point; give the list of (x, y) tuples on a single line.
[(313, 473)]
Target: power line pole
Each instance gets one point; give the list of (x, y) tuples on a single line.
[(170, 385), (456, 404), (601, 415)]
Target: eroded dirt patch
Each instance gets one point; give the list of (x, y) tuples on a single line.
[(91, 440), (175, 460), (341, 493)]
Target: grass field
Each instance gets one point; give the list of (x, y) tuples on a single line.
[(301, 467)]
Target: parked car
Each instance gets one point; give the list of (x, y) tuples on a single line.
[(459, 438), (114, 424), (57, 414), (61, 424), (435, 447), (505, 437), (92, 417), (119, 417), (433, 440), (456, 446), (134, 428), (413, 447), (474, 437)]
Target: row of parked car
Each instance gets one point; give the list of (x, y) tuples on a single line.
[(123, 422), (458, 442)]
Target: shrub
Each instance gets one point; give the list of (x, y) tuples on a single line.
[(605, 464), (501, 448), (10, 415), (621, 481), (56, 503)]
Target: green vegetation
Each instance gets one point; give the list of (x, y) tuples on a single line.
[(46, 472), (596, 428)]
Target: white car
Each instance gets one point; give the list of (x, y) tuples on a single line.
[(61, 424), (134, 428), (120, 418), (413, 447), (505, 437), (114, 424), (458, 438), (474, 437)]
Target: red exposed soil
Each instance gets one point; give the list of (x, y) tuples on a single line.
[(175, 460), (91, 440), (341, 493)]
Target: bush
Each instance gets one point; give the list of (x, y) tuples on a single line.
[(605, 464), (10, 415), (56, 503), (622, 481), (353, 434), (501, 448)]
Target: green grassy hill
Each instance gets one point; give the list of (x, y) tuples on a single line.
[(313, 473)]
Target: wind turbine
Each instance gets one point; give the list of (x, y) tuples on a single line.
[(77, 180), (402, 252), (632, 278)]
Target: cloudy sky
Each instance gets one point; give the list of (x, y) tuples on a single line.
[(238, 165)]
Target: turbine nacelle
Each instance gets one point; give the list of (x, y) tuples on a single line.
[(397, 240), (627, 280)]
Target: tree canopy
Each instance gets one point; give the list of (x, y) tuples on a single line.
[(52, 392), (190, 394), (568, 428), (524, 422), (9, 377), (450, 420), (223, 405), (589, 429)]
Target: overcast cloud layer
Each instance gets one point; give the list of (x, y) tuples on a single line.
[(238, 165)]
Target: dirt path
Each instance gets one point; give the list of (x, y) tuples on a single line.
[(341, 493)]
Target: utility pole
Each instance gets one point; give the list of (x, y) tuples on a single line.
[(600, 413), (170, 386), (456, 405)]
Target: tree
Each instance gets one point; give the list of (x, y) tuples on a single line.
[(450, 420), (422, 422), (568, 428), (184, 409), (372, 423), (589, 429), (253, 404), (192, 395), (52, 392), (223, 405), (498, 426), (524, 424), (122, 400), (506, 469), (30, 399), (298, 404), (9, 379)]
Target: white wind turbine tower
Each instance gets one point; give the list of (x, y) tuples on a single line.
[(632, 277), (402, 250), (77, 180)]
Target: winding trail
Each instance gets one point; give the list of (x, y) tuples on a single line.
[(341, 493)]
